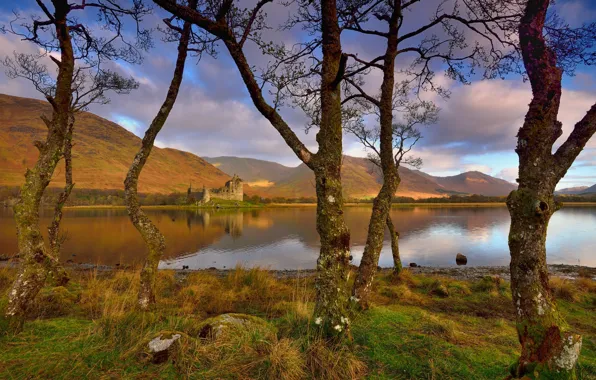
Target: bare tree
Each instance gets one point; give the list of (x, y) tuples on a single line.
[(73, 90), (234, 27), (460, 37), (550, 48), (153, 238), (405, 135)]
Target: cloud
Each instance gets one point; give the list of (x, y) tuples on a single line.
[(509, 174)]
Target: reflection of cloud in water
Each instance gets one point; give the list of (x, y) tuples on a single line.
[(284, 254), (287, 238)]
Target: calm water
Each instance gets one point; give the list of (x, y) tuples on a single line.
[(286, 238)]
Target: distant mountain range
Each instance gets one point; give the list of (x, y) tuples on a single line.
[(580, 190), (360, 178), (104, 150)]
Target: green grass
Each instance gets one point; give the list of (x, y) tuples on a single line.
[(408, 333)]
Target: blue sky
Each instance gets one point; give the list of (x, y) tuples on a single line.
[(214, 115)]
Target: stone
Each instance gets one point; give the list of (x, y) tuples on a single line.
[(413, 265), (160, 349), (461, 259), (217, 327)]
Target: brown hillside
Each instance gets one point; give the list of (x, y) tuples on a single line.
[(476, 183), (360, 179), (102, 153)]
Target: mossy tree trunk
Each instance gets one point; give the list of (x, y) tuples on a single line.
[(153, 238), (549, 348), (382, 202), (59, 275), (37, 259), (332, 304)]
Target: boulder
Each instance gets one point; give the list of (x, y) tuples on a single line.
[(461, 259), (161, 347), (217, 327)]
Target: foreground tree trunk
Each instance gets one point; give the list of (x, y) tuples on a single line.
[(331, 309), (37, 259), (397, 266), (382, 203), (59, 275), (549, 348), (153, 238)]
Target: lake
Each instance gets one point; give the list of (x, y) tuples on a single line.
[(285, 238)]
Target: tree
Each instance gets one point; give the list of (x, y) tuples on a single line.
[(73, 90), (550, 48), (234, 27), (459, 37), (153, 238)]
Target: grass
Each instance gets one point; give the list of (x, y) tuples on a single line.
[(90, 328)]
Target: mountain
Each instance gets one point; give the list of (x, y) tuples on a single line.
[(589, 190), (104, 150), (572, 190), (360, 179), (254, 172), (475, 182), (102, 153)]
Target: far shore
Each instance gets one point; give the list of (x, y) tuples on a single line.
[(290, 205)]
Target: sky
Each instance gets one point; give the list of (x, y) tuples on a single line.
[(214, 116)]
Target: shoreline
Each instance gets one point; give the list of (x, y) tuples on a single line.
[(292, 205), (458, 273)]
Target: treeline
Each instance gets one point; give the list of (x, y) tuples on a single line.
[(96, 197)]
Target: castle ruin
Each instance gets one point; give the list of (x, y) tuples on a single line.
[(231, 191)]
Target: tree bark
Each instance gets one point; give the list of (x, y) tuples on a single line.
[(397, 266), (37, 260), (549, 348), (382, 202), (153, 238), (60, 276), (332, 304)]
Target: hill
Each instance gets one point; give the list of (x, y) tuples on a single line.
[(102, 153), (475, 182), (104, 150), (254, 172), (361, 179), (589, 190), (572, 190)]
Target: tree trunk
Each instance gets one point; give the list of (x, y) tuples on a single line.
[(547, 344), (549, 348), (37, 260), (332, 304), (59, 275), (397, 267), (153, 238), (382, 203)]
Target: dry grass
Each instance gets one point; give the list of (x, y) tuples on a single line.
[(474, 315)]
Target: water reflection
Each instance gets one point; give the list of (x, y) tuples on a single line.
[(287, 239)]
